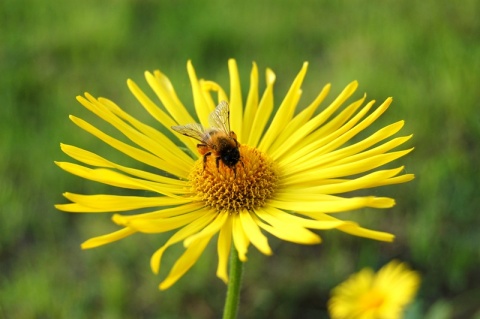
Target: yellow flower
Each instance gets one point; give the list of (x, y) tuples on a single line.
[(293, 165), (366, 295)]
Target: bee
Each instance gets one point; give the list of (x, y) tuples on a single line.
[(217, 140)]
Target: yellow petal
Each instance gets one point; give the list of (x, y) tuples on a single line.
[(322, 142), (162, 146), (223, 249), (263, 113), (115, 203), (254, 234), (201, 107), (159, 214), (109, 177), (398, 180), (348, 169), (289, 218), (286, 231), (374, 179), (320, 119), (375, 138), (135, 153), (367, 233), (336, 206), (212, 228), (207, 87), (349, 154), (180, 235), (251, 106), (285, 111), (164, 90), (236, 104), (345, 116), (382, 149), (161, 225), (278, 146), (160, 115), (102, 110), (185, 262), (95, 160), (312, 131), (352, 228), (108, 238), (399, 275), (240, 239), (352, 152)]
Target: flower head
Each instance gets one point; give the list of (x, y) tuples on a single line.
[(293, 165), (383, 295)]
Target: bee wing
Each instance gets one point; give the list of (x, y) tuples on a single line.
[(193, 130), (220, 117)]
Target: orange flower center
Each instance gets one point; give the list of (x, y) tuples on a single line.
[(249, 184), (372, 300)]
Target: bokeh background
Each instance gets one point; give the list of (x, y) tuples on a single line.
[(426, 54)]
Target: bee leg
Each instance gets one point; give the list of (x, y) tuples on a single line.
[(217, 161), (241, 162), (205, 159)]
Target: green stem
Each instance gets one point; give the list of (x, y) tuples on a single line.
[(234, 284)]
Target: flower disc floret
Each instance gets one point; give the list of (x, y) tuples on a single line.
[(246, 186)]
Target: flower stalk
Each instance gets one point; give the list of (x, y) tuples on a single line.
[(234, 285)]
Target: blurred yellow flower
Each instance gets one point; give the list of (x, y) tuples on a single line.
[(366, 295), (293, 164)]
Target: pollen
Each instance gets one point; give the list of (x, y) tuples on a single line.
[(232, 189)]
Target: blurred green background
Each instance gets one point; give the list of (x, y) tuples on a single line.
[(426, 54)]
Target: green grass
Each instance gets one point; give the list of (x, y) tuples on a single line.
[(426, 54)]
